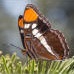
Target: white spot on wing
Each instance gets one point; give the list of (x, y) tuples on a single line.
[(44, 43), (34, 25), (35, 31), (40, 38), (38, 35), (26, 26), (44, 21), (21, 31)]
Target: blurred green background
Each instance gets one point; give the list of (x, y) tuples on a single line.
[(59, 12)]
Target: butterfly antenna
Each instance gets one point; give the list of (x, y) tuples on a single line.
[(13, 46), (16, 46)]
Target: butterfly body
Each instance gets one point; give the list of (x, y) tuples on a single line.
[(39, 39)]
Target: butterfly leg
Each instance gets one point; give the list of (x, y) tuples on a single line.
[(29, 50)]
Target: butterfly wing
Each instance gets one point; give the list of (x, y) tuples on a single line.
[(31, 14), (57, 42), (51, 44), (47, 43), (21, 29)]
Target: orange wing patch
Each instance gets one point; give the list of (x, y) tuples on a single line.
[(30, 15), (20, 22)]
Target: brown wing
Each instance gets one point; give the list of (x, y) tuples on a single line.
[(57, 42), (41, 52)]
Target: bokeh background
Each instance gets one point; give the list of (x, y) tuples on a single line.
[(59, 12)]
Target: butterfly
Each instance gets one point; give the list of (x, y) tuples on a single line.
[(39, 40)]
